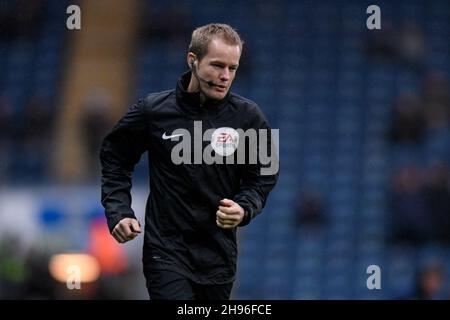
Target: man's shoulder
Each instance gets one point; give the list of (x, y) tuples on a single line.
[(156, 98), (250, 107), (242, 100), (244, 103)]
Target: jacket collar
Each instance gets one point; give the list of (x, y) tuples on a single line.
[(191, 100)]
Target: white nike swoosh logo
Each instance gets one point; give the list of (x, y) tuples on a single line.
[(165, 137)]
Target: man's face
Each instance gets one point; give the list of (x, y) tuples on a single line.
[(218, 65)]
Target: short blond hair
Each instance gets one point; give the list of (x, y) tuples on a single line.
[(202, 36)]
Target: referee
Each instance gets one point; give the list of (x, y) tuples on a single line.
[(193, 208)]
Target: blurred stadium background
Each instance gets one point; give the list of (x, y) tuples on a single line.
[(364, 141)]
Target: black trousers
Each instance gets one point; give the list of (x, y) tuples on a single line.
[(169, 285)]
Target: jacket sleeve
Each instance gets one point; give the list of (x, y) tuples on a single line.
[(258, 179), (121, 150)]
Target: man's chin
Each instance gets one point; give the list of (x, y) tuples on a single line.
[(217, 96)]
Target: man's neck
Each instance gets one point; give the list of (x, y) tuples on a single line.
[(194, 86)]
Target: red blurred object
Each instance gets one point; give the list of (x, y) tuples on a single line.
[(110, 254)]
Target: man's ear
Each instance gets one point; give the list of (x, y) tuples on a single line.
[(191, 59)]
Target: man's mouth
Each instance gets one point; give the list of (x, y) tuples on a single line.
[(221, 87)]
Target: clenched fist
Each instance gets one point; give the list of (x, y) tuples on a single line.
[(126, 229), (229, 215)]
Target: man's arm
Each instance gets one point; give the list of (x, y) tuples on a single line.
[(120, 151), (260, 178)]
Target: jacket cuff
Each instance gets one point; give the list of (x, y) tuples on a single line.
[(247, 215)]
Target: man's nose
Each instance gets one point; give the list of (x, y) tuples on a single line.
[(225, 75)]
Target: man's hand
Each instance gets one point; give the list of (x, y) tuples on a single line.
[(229, 215), (126, 229)]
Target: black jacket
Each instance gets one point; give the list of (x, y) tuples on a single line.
[(180, 222)]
